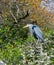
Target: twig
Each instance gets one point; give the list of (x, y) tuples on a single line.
[(13, 16)]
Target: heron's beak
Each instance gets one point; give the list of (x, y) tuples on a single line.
[(25, 26)]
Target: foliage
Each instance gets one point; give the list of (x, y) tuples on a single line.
[(16, 45), (13, 45), (41, 15), (10, 43)]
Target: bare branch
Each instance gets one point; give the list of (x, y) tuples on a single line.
[(13, 16), (27, 14), (12, 13), (17, 10)]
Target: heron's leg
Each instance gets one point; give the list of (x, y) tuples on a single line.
[(35, 44), (37, 41), (34, 48)]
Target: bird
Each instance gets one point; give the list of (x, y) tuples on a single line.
[(36, 32)]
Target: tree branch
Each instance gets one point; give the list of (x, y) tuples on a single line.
[(13, 16)]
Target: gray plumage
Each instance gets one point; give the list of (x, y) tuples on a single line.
[(36, 32)]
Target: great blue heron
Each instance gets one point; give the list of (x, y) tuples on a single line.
[(35, 31)]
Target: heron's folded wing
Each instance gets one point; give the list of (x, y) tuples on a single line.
[(38, 33)]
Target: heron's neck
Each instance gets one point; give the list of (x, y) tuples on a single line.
[(31, 31)]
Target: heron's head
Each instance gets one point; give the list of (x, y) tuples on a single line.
[(28, 25)]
